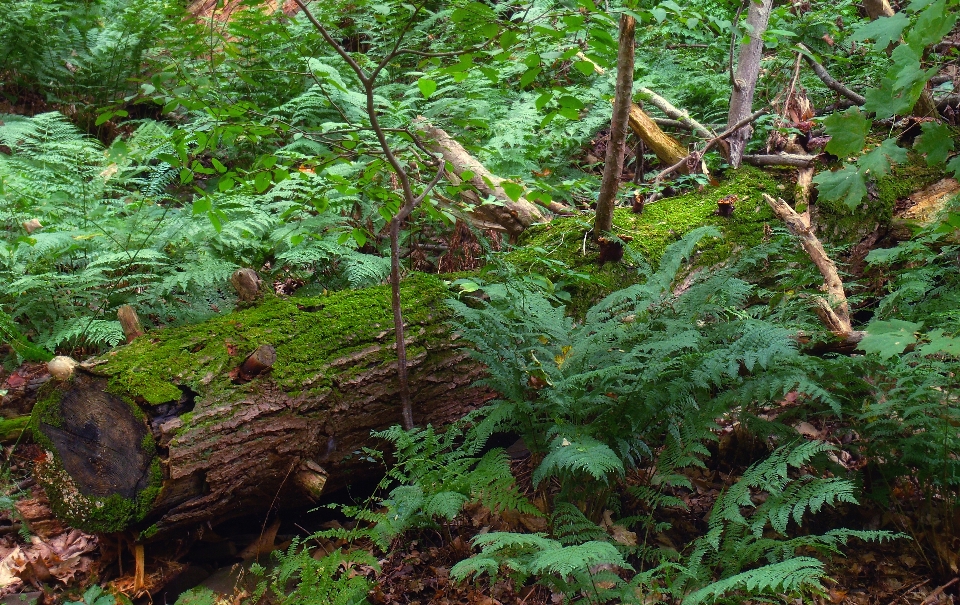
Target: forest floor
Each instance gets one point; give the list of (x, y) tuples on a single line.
[(44, 561)]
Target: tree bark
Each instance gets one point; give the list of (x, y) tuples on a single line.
[(622, 102), (745, 80), (159, 434)]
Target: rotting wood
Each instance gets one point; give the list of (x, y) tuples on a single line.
[(158, 437), (129, 323), (672, 112), (512, 216), (833, 310), (247, 284)]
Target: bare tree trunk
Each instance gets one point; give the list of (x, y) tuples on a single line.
[(745, 80), (613, 165)]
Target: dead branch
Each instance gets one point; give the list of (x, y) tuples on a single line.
[(834, 312), (831, 82), (779, 159), (666, 107)]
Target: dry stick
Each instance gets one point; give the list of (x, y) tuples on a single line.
[(410, 201), (831, 82), (835, 313), (936, 593), (666, 107), (671, 169)]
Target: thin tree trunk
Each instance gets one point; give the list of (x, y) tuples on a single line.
[(745, 79), (618, 128)]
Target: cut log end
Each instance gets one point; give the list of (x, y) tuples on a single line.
[(129, 322)]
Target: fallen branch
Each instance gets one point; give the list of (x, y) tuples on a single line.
[(509, 215), (780, 159), (663, 105), (667, 149), (831, 82), (834, 312), (695, 156)]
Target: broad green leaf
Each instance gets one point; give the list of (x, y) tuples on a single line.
[(584, 67), (513, 190), (543, 99), (103, 117), (954, 166), (262, 181), (939, 343), (529, 76), (878, 161), (359, 236), (571, 102), (889, 337), (887, 100), (218, 165), (932, 26), (226, 183), (507, 39), (427, 87), (848, 132), (201, 205), (215, 221), (936, 142), (884, 31), (846, 184)]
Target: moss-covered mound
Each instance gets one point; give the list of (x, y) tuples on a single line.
[(559, 251)]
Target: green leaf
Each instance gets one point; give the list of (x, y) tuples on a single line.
[(218, 166), (887, 101), (513, 190), (226, 183), (936, 142), (359, 236), (262, 181), (848, 132), (215, 221), (103, 117), (884, 31), (427, 87), (887, 338), (954, 166), (846, 184), (507, 39), (543, 99), (939, 343), (529, 76), (584, 67), (932, 26), (878, 161)]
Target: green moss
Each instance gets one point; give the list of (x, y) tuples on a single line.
[(306, 333), (839, 224), (95, 514), (11, 429), (556, 249)]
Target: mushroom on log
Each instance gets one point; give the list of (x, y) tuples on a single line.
[(159, 434)]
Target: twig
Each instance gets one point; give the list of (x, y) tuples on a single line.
[(936, 593), (671, 169), (908, 591), (831, 82)]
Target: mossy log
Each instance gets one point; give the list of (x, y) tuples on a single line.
[(169, 431)]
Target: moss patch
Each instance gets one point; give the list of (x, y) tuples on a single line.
[(556, 249), (838, 224), (307, 334)]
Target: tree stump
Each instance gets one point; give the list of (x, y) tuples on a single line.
[(162, 433)]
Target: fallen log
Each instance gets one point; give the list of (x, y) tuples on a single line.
[(269, 404)]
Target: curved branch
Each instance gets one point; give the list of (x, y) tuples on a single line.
[(831, 82)]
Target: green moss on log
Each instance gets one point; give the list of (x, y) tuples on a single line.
[(839, 224), (555, 249), (307, 333)]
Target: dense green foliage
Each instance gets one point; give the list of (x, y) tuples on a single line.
[(165, 149)]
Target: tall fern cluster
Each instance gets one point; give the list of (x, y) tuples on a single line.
[(110, 234)]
